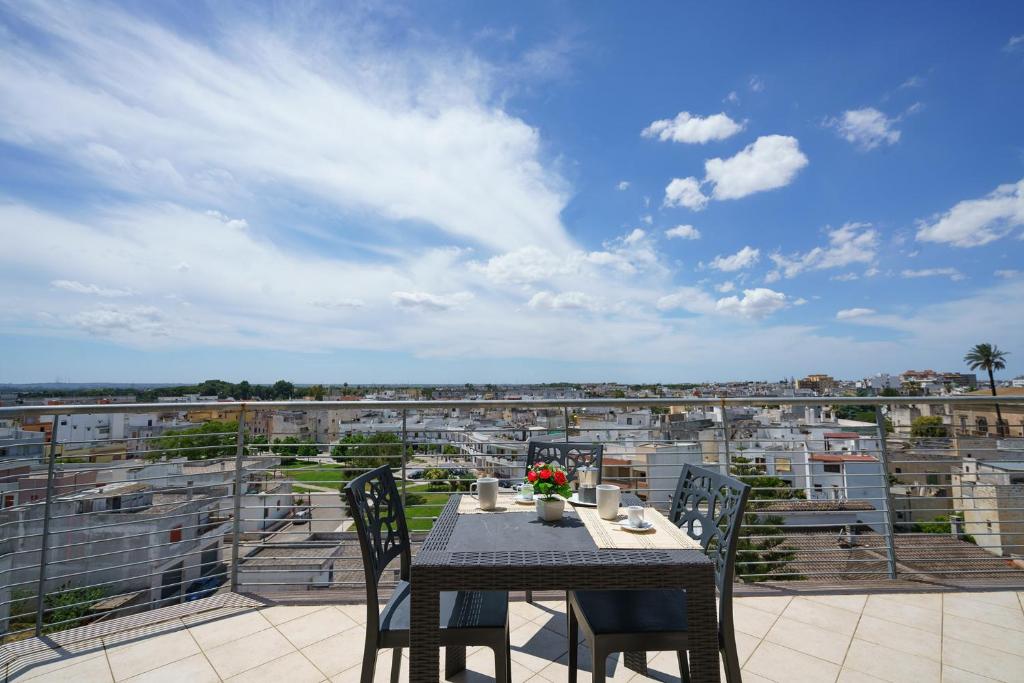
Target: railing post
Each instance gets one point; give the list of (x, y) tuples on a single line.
[(405, 456), (725, 440), (44, 542), (565, 414), (883, 457), (236, 522)]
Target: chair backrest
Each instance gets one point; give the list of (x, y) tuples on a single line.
[(708, 506), (375, 504), (570, 455)]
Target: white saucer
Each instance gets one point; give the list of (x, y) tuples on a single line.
[(647, 526), (523, 501), (575, 500)]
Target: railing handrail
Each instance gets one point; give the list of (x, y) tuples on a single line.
[(731, 401)]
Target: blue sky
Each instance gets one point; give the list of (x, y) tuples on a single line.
[(507, 192)]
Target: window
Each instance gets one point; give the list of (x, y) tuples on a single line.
[(176, 534), (899, 470), (834, 469), (783, 465), (629, 420)]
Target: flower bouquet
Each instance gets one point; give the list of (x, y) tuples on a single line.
[(551, 488)]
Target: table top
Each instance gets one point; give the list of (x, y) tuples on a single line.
[(509, 539)]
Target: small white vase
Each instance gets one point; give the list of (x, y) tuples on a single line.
[(550, 509)]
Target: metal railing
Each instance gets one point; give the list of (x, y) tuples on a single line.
[(145, 517)]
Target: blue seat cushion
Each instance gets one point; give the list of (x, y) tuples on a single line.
[(639, 611), (459, 609)]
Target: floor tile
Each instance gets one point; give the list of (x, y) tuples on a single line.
[(771, 660), (356, 613), (966, 606), (811, 640), (293, 667), (91, 669), (773, 604), (211, 633), (1005, 599), (985, 635), (851, 676), (194, 669), (752, 621), (42, 665), (900, 637), (891, 665), (339, 652), (249, 652), (852, 603), (997, 665), (825, 616), (278, 614), (951, 674), (751, 677), (908, 615), (536, 647), (311, 628), (134, 657)]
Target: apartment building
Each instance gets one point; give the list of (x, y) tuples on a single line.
[(987, 495)]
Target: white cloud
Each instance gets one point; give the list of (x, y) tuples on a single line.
[(623, 185), (951, 273), (756, 84), (82, 288), (425, 301), (866, 128), (416, 138), (339, 304), (725, 287), (845, 277), (684, 232), (690, 299), (974, 222), (770, 162), (685, 192), (1014, 43), (732, 97), (114, 321), (755, 303), (799, 302), (848, 313), (635, 236), (851, 243), (564, 301), (744, 258), (871, 272), (524, 266), (688, 128), (913, 82), (1007, 274)]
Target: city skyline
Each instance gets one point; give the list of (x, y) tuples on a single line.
[(524, 194)]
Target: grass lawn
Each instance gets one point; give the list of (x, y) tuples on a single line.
[(314, 473), (420, 516)]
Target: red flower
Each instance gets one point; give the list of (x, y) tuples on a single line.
[(559, 477), (545, 474), (532, 476)]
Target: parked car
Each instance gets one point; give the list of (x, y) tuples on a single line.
[(203, 588), (302, 515)]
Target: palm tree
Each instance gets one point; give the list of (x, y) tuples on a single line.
[(988, 357)]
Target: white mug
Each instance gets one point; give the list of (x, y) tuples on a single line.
[(485, 490), (526, 491), (636, 516), (608, 497)]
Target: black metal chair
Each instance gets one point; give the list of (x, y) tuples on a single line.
[(467, 618), (570, 455), (708, 506)]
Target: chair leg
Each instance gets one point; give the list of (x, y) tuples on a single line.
[(454, 660), (730, 659), (508, 651), (396, 664), (598, 658), (573, 643), (529, 597), (684, 666), (369, 660), (502, 666)]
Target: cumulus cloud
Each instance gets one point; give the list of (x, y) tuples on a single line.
[(1014, 43), (1007, 274), (524, 266), (82, 288), (115, 321), (866, 128), (851, 243), (683, 232), (564, 301), (848, 313), (425, 301), (726, 287), (952, 273), (974, 222), (689, 128), (623, 185), (685, 192), (768, 163), (755, 303), (691, 299), (756, 84), (744, 258)]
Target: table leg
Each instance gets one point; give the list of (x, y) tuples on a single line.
[(703, 636), (454, 660), (636, 661), (424, 633)]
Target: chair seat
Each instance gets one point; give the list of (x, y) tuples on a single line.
[(459, 610), (639, 611)]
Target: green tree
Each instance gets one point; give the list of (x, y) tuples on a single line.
[(243, 390), (317, 392), (928, 425), (889, 391), (988, 357), (282, 390), (210, 440), (763, 550)]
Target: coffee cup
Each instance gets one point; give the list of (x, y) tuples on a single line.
[(526, 491), (485, 490), (635, 514), (608, 497)]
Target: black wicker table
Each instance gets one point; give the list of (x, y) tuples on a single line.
[(516, 551)]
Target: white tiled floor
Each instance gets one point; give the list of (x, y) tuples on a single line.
[(851, 639)]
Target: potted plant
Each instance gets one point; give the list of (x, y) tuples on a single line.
[(551, 488)]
